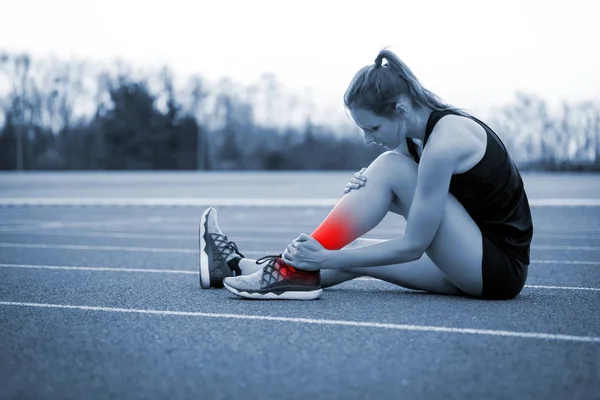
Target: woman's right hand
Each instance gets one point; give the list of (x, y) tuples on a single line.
[(358, 180)]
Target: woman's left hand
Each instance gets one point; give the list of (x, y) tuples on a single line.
[(306, 253)]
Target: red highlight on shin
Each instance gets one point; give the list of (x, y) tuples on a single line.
[(336, 231)]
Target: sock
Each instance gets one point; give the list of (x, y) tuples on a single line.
[(249, 266), (241, 265), (233, 261)]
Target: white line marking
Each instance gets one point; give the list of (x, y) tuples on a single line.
[(97, 248), (567, 248), (248, 202), (593, 202), (562, 287), (157, 236), (174, 228), (297, 222), (250, 239), (115, 248), (111, 235), (99, 269), (261, 229), (251, 253), (195, 272), (170, 202), (570, 262), (572, 236), (368, 278), (44, 224), (402, 327)]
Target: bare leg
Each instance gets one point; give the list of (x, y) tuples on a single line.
[(453, 259), (421, 274), (355, 214)]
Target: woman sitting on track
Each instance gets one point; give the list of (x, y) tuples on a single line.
[(468, 221)]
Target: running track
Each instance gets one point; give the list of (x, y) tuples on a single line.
[(99, 298)]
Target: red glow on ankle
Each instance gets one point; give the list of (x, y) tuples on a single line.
[(285, 269)]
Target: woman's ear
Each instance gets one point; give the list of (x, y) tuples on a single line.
[(401, 108)]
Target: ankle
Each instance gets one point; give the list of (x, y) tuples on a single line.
[(234, 264), (297, 270), (248, 266)]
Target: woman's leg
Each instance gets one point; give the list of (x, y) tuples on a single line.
[(421, 274), (455, 253), (355, 214)]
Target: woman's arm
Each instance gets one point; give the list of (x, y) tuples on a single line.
[(439, 160), (393, 251)]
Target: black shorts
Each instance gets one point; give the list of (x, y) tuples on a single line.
[(504, 275)]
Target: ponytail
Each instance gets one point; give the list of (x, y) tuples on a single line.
[(379, 86)]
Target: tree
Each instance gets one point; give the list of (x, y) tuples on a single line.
[(132, 128), (17, 71)]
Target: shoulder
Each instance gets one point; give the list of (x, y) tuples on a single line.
[(456, 137)]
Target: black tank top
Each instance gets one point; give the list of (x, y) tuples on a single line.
[(492, 192)]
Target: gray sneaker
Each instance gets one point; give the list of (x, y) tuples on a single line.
[(215, 248), (276, 281)]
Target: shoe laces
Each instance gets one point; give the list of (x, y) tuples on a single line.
[(272, 259), (271, 273), (225, 246)]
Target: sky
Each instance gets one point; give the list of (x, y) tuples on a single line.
[(473, 54)]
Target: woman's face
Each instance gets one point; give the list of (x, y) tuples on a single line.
[(384, 131)]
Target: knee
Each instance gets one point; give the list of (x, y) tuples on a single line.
[(393, 164), (398, 172)]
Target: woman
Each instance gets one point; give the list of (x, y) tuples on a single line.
[(468, 221)]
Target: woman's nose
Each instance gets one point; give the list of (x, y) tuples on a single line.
[(369, 138)]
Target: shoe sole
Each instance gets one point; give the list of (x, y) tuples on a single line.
[(289, 295), (203, 267)]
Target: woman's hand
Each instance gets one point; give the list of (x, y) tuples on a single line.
[(306, 253), (358, 180)]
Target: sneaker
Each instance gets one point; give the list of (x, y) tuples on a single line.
[(215, 250), (276, 281)]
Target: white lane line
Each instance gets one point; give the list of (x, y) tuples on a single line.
[(100, 269), (566, 248), (355, 324), (157, 236), (252, 239), (191, 227), (247, 202), (569, 262), (562, 287), (169, 202), (249, 239), (195, 272), (116, 248), (593, 202), (75, 224), (572, 236), (96, 248), (294, 226), (48, 226), (250, 253), (171, 231), (591, 289), (294, 218)]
